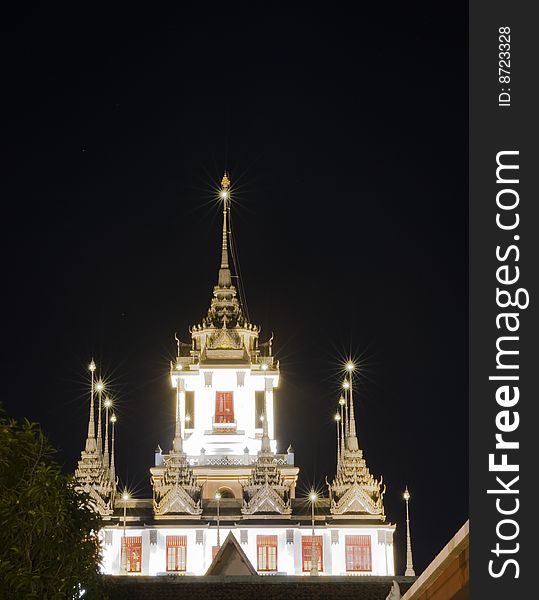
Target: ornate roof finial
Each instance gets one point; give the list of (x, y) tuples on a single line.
[(224, 274), (352, 437), (99, 386), (90, 440)]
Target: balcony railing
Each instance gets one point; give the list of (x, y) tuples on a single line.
[(219, 425)]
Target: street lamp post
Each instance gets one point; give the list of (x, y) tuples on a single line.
[(218, 497), (314, 556), (409, 562)]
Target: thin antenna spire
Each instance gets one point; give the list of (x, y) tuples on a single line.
[(90, 440)]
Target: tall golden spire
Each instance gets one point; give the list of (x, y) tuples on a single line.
[(225, 279), (352, 436), (225, 195)]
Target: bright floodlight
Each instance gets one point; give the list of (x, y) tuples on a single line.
[(350, 366), (107, 403), (99, 386), (218, 495), (342, 401), (406, 494), (91, 366), (188, 418), (224, 194), (337, 417), (312, 496), (346, 384), (125, 496), (264, 366), (113, 419), (179, 366)]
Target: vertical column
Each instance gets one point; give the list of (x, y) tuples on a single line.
[(180, 399), (268, 389)]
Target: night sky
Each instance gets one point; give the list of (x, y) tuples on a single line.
[(345, 136)]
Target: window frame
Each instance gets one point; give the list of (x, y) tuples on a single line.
[(178, 545), (128, 547), (306, 544), (224, 407), (265, 544), (358, 553)]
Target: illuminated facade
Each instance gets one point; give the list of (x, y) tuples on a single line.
[(223, 472)]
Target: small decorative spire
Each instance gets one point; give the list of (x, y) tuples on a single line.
[(338, 423), (108, 404), (352, 437), (99, 387), (112, 470), (90, 440), (409, 561), (342, 402)]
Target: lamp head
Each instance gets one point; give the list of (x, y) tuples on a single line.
[(406, 494)]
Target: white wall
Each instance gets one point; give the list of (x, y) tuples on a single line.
[(289, 558), (224, 380)]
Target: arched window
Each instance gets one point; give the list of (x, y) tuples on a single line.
[(226, 492)]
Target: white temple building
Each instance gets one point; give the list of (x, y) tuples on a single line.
[(223, 472)]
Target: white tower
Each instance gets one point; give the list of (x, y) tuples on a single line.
[(224, 381)]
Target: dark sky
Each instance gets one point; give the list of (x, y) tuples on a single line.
[(346, 139)]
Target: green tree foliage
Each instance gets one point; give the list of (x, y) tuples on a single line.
[(48, 531)]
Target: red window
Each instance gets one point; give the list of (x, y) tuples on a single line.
[(224, 407), (266, 546), (358, 553), (307, 552), (132, 553), (176, 553)]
